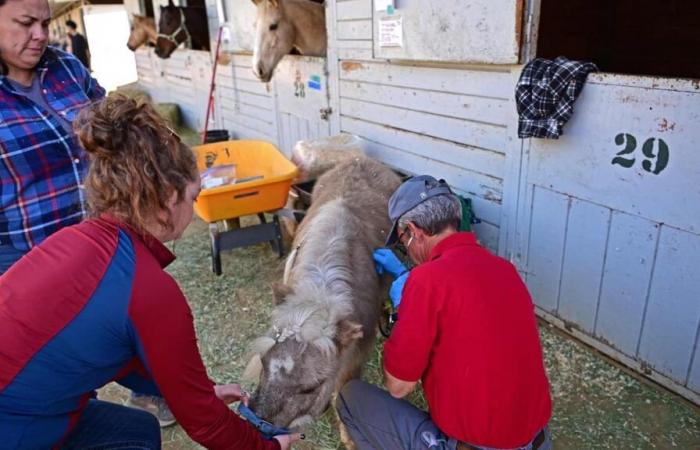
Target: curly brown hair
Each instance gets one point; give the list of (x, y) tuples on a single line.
[(136, 162)]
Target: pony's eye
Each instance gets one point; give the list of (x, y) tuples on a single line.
[(273, 27)]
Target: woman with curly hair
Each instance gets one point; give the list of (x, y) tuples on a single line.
[(92, 304)]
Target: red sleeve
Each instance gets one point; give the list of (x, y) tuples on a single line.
[(166, 339), (407, 351)]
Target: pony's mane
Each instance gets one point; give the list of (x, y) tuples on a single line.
[(322, 293)]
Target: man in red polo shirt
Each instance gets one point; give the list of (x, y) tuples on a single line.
[(466, 330)]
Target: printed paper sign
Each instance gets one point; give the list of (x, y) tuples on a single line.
[(391, 32), (383, 5)]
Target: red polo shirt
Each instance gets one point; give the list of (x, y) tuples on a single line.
[(467, 329)]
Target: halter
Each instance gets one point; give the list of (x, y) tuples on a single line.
[(172, 37), (265, 428)]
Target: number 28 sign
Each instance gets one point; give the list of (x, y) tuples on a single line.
[(654, 158)]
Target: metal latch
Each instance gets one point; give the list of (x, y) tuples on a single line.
[(325, 113)]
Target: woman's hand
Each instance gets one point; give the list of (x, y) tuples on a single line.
[(230, 393), (286, 440)]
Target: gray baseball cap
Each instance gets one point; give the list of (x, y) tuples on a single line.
[(410, 194)]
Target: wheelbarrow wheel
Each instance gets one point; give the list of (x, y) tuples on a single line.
[(215, 249)]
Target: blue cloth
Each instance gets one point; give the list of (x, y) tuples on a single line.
[(42, 166), (396, 290), (109, 425), (33, 93), (8, 256), (387, 262)]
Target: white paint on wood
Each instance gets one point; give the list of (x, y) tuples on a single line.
[(586, 241), (481, 135), (588, 147), (547, 236), (467, 157), (480, 81), (620, 357), (241, 16), (673, 313), (480, 31), (354, 9), (447, 104), (628, 265), (355, 30)]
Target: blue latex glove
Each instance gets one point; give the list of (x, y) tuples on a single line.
[(396, 289), (385, 261)]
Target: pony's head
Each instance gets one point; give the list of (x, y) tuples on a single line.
[(143, 30), (172, 30), (298, 362), (274, 37)]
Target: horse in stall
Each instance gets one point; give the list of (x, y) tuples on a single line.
[(181, 25), (143, 30), (283, 26), (324, 323)]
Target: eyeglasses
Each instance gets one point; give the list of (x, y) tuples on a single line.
[(399, 246)]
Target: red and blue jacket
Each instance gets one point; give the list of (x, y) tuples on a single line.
[(90, 305)]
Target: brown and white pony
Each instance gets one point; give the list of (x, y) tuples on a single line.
[(283, 25), (181, 25), (325, 322), (143, 31)]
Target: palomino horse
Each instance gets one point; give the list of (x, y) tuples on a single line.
[(325, 322), (143, 30), (283, 25), (181, 25)]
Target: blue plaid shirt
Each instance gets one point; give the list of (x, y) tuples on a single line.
[(41, 163)]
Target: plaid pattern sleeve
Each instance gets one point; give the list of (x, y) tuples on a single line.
[(41, 164), (545, 95)]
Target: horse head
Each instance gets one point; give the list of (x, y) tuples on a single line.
[(297, 364), (274, 37), (143, 29), (172, 30)]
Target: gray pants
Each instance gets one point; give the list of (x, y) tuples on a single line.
[(377, 421)]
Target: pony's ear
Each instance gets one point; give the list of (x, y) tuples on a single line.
[(280, 291), (348, 331), (170, 3), (274, 3)]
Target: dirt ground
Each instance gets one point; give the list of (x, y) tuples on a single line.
[(596, 404)]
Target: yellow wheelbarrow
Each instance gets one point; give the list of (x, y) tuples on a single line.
[(263, 176)]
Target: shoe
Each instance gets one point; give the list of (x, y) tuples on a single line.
[(154, 405)]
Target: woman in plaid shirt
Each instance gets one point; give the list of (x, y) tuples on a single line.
[(41, 163)]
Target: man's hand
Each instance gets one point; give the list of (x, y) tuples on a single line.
[(230, 393), (385, 261), (396, 289), (286, 440), (398, 388)]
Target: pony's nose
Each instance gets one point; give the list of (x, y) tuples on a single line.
[(130, 47)]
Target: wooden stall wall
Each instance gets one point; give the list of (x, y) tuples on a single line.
[(419, 118), (246, 106), (609, 225), (183, 79)]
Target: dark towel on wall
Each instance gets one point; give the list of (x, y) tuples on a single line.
[(545, 95)]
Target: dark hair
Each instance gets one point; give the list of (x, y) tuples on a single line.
[(71, 24), (136, 161)]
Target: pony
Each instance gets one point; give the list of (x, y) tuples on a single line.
[(143, 30), (181, 25), (324, 323), (284, 25)]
